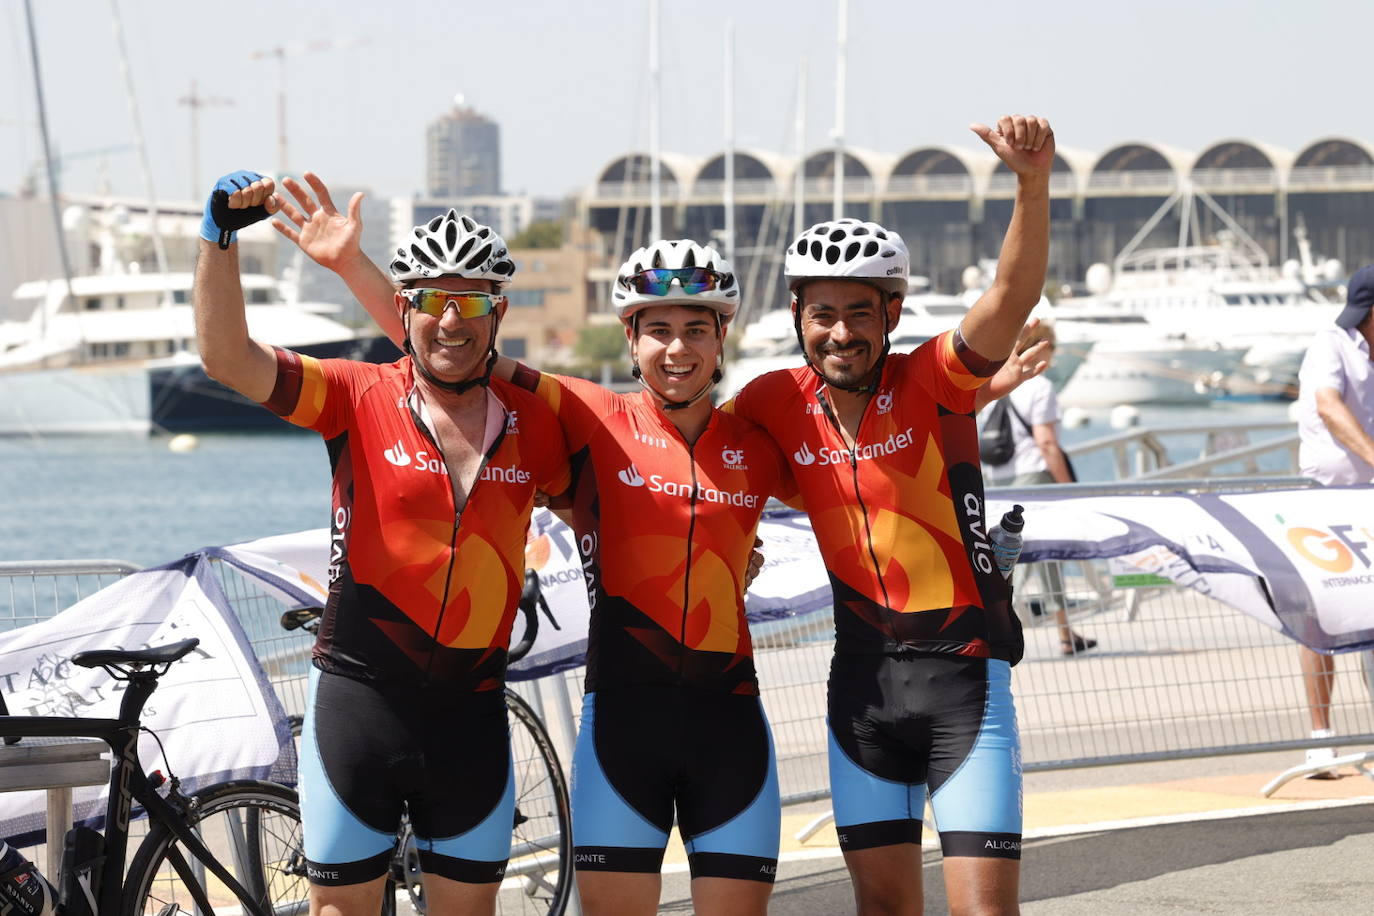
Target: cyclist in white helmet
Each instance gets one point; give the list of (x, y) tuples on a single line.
[(666, 498), (406, 699), (919, 695)]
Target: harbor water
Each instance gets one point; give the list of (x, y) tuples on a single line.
[(133, 499)]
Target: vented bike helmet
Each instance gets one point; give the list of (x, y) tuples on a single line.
[(676, 272), (643, 280), (849, 249), (453, 246)]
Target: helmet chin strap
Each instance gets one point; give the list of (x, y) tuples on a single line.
[(716, 376), (482, 381), (871, 387)]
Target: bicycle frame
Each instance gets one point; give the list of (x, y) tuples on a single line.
[(128, 783)]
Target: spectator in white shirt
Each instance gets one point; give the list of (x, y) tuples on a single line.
[(1335, 417), (1038, 459)]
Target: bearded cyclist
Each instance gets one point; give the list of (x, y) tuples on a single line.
[(885, 451), (435, 468)]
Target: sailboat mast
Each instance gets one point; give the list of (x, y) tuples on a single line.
[(843, 42), (799, 177), (159, 249), (51, 169), (729, 108), (655, 191)]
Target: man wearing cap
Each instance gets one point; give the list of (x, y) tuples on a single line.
[(1335, 418)]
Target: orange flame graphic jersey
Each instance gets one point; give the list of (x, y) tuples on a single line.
[(419, 593), (899, 517), (664, 530)]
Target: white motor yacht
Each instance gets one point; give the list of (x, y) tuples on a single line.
[(118, 355)]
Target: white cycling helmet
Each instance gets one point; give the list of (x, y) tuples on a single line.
[(629, 297), (453, 246), (849, 249)]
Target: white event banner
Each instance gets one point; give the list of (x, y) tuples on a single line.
[(1298, 561), (215, 713)]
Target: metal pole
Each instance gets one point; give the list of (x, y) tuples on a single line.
[(159, 250), (839, 108), (52, 173), (799, 180), (193, 102), (655, 193), (281, 112), (729, 108)]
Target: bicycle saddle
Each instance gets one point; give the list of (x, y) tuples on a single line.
[(158, 655)]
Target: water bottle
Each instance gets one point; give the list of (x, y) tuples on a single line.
[(1006, 541), (23, 891)]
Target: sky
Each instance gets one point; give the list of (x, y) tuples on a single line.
[(568, 81)]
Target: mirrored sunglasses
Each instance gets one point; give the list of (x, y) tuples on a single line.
[(657, 281), (434, 302)]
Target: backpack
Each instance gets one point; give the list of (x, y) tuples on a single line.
[(996, 445)]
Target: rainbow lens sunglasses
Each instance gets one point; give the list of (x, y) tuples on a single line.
[(657, 281), (434, 302)]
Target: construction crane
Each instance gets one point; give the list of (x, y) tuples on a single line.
[(195, 101), (280, 53)]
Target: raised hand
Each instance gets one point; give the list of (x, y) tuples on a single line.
[(330, 238), (238, 199), (1019, 367), (1024, 142)]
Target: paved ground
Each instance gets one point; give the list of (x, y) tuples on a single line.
[(1169, 838)]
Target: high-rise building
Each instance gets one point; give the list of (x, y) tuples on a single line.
[(463, 154)]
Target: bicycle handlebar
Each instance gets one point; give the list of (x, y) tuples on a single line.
[(532, 601)]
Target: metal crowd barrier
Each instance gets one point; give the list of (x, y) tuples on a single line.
[(1174, 674)]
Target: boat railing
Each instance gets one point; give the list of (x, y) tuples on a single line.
[(1225, 451)]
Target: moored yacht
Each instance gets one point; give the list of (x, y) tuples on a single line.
[(117, 354)]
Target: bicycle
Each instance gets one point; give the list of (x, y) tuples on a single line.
[(541, 849), (234, 846)]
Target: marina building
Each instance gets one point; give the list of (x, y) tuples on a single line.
[(952, 204)]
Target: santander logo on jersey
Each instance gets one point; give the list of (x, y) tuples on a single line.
[(422, 461), (397, 455), (656, 484), (823, 456)]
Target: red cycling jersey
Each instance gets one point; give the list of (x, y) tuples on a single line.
[(664, 530), (900, 516), (418, 592)]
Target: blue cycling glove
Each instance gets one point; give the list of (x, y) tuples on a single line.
[(221, 224)]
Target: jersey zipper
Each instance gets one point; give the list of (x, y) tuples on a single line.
[(687, 573), (858, 496), (457, 519)]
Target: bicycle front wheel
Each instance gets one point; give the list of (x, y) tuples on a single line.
[(251, 828), (539, 876)]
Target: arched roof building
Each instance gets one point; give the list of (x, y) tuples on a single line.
[(1134, 168), (757, 174), (1239, 166), (629, 175), (938, 172), (952, 203)]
